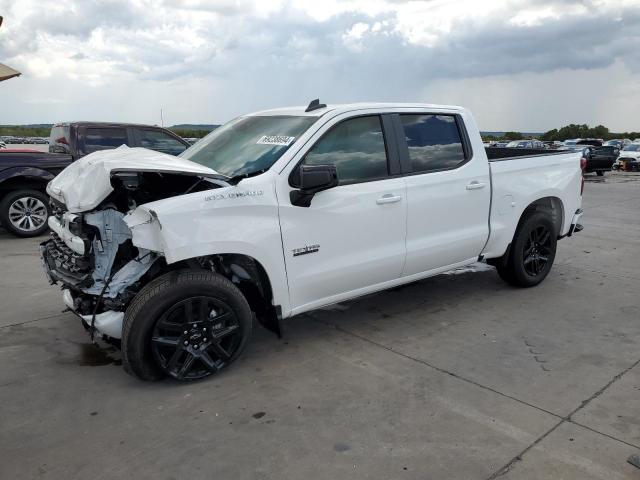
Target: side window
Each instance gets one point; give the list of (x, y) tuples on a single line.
[(160, 141), (104, 139), (356, 147), (434, 142)]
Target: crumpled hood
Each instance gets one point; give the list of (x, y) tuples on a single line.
[(87, 182)]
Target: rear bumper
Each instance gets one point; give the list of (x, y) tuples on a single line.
[(575, 223)]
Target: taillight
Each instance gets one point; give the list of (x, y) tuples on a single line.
[(583, 164)]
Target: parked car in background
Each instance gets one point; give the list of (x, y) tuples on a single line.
[(280, 212), (629, 158), (615, 143), (599, 159), (525, 144), (577, 142), (2, 144), (24, 175), (552, 144)]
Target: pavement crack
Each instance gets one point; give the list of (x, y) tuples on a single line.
[(33, 320), (434, 367), (566, 419)]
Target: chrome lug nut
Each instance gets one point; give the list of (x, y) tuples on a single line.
[(186, 342), (195, 346)]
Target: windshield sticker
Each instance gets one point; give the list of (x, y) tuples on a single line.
[(275, 140)]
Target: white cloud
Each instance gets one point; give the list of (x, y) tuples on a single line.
[(206, 61)]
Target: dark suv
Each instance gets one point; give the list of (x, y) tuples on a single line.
[(82, 138), (24, 206)]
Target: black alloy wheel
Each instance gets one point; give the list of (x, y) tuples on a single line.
[(196, 337), (533, 249), (537, 250), (185, 324)]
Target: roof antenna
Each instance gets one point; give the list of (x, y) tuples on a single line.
[(315, 105)]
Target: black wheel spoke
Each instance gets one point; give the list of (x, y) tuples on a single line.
[(172, 342), (171, 326), (186, 366), (221, 318), (208, 362), (544, 238), (225, 332), (219, 351), (188, 310), (204, 309), (173, 361)]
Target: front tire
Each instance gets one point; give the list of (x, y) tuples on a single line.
[(187, 325), (532, 252), (24, 213)]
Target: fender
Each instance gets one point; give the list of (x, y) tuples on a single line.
[(241, 219), (30, 173)]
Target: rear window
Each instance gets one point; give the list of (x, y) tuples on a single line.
[(59, 139), (104, 139), (434, 142)]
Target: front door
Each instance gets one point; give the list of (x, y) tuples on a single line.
[(352, 236)]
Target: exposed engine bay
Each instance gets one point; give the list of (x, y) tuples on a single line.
[(92, 255)]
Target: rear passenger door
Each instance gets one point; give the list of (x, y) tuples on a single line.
[(448, 191)]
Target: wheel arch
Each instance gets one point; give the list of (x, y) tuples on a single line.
[(250, 276), (551, 205), (19, 178)]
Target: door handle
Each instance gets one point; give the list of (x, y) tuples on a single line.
[(475, 185), (388, 198)]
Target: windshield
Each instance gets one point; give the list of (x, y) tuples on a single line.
[(248, 145), (634, 147)]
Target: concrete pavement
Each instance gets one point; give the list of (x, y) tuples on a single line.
[(458, 376)]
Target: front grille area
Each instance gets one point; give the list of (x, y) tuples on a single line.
[(67, 265)]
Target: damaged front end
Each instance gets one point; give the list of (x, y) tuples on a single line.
[(91, 254)]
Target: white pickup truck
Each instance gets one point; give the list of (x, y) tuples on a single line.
[(283, 211)]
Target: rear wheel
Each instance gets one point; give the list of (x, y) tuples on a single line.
[(186, 325), (532, 252), (600, 173), (24, 213)]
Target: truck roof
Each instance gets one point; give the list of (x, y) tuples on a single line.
[(337, 109), (104, 124)]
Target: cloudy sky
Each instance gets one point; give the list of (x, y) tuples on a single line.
[(528, 65)]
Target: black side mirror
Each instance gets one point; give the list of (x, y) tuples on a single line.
[(311, 179)]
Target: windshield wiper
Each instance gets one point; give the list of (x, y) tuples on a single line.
[(237, 178)]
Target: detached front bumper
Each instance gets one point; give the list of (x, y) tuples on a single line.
[(107, 323)]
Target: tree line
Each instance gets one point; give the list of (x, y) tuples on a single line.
[(568, 132), (27, 131)]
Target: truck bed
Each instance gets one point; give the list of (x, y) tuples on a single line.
[(497, 154)]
